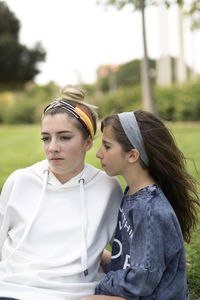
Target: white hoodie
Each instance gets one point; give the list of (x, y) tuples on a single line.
[(52, 235)]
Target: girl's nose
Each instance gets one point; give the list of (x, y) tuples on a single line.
[(54, 146), (99, 154)]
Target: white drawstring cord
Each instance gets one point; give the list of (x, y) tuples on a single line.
[(33, 216), (84, 228)]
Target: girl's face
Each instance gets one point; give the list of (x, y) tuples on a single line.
[(63, 146), (113, 159)]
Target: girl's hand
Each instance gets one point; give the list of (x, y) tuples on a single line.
[(106, 257)]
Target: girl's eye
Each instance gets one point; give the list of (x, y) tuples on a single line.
[(106, 147), (45, 138), (65, 138)]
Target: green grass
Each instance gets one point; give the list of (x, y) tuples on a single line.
[(188, 140), (21, 146)]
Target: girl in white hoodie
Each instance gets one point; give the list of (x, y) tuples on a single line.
[(57, 216)]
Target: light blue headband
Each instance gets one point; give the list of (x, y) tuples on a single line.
[(132, 131)]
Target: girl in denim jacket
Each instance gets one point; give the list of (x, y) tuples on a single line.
[(158, 210)]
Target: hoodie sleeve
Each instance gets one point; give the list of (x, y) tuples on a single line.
[(3, 201), (4, 198), (116, 195), (146, 263)]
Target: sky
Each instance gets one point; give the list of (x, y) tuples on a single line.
[(79, 36)]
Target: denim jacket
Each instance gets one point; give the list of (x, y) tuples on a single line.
[(148, 255)]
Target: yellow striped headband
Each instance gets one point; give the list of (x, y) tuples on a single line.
[(79, 112)]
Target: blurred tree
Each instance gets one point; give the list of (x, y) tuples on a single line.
[(130, 72), (193, 12), (18, 64), (148, 99), (192, 9)]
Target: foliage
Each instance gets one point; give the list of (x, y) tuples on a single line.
[(166, 98), (124, 99), (103, 84), (28, 105), (147, 96), (8, 22), (193, 12), (175, 103), (90, 89), (179, 103), (191, 8), (128, 74), (119, 4), (18, 64), (20, 113)]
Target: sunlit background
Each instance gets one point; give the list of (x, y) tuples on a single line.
[(79, 36)]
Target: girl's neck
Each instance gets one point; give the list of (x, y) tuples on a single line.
[(138, 180), (135, 188)]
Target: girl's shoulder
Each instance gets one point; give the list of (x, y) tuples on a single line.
[(15, 175), (144, 195), (23, 174), (152, 202), (152, 209)]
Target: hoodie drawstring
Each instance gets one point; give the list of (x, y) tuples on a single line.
[(84, 228), (33, 216)]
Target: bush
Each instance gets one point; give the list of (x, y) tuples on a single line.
[(123, 100), (165, 102), (28, 105), (21, 112), (179, 103), (175, 103), (188, 102)]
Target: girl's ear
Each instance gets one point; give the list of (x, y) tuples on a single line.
[(88, 143), (133, 155)]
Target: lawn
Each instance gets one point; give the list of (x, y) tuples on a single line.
[(21, 146)]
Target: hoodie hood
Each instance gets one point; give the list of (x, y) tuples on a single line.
[(87, 174)]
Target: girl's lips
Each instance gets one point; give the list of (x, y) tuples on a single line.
[(56, 159)]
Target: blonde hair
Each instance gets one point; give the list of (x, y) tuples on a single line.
[(72, 92)]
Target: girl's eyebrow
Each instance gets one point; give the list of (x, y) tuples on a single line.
[(106, 142), (59, 132)]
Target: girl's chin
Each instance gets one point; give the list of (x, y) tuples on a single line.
[(108, 172)]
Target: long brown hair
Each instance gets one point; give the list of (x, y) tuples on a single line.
[(167, 166)]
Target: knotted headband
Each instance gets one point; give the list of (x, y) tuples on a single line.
[(132, 131), (79, 112)]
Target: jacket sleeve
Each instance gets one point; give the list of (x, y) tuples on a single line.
[(146, 262)]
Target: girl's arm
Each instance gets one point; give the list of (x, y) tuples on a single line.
[(147, 260)]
